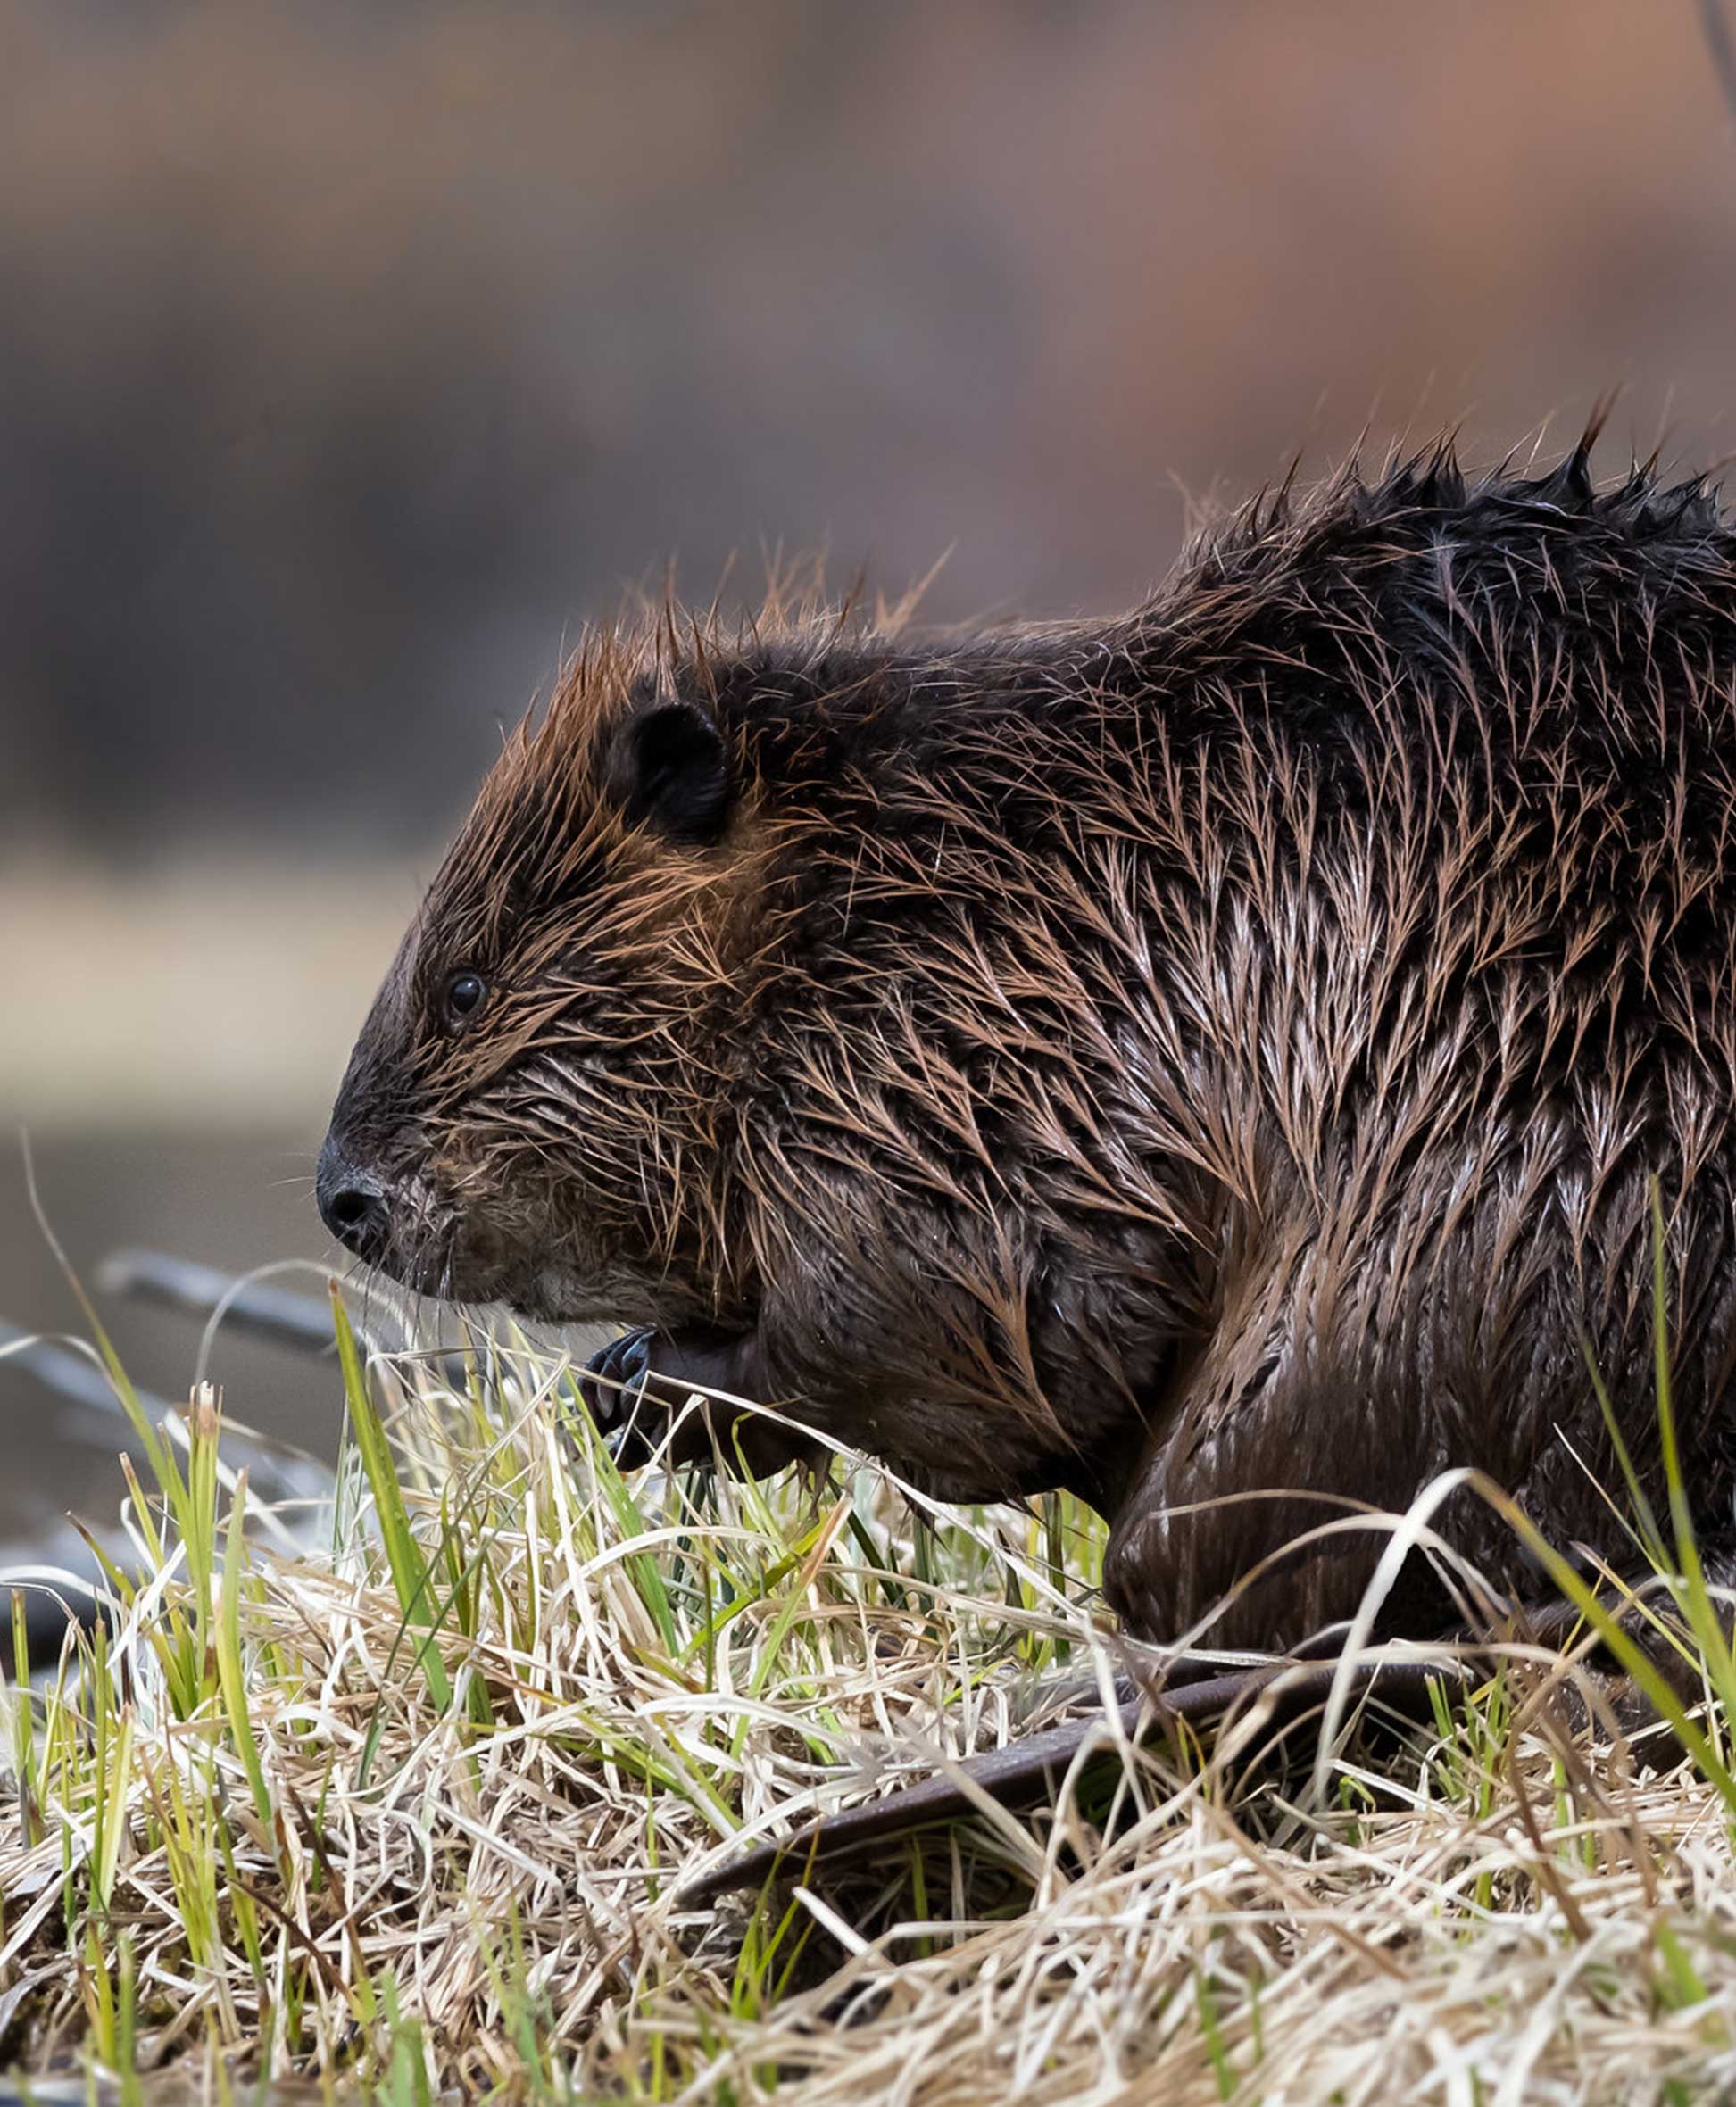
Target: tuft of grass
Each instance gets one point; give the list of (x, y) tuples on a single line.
[(414, 1810)]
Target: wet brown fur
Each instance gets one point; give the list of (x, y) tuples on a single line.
[(1219, 1052)]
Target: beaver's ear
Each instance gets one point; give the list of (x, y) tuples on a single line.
[(667, 766)]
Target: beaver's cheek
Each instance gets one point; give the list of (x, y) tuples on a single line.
[(453, 1247), (459, 1277)]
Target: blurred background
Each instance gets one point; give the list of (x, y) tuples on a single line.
[(351, 356)]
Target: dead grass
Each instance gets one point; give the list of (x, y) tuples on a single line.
[(415, 1809)]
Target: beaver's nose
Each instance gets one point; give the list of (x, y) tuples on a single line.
[(351, 1203)]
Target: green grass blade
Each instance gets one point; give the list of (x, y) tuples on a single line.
[(403, 1556), (230, 1666)]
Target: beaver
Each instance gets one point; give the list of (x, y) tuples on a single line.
[(1218, 1061)]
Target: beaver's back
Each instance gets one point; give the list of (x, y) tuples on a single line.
[(1320, 965), (1418, 745)]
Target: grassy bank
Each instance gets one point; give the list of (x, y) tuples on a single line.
[(416, 1807)]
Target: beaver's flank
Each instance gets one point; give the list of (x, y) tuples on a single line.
[(1217, 1060)]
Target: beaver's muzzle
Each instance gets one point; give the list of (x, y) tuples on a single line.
[(352, 1204)]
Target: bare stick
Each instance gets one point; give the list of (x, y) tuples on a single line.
[(1026, 1773), (275, 1313), (75, 1377)]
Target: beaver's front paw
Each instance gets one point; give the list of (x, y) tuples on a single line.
[(637, 1382), (613, 1387)]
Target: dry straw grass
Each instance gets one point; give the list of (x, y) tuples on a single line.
[(416, 1808)]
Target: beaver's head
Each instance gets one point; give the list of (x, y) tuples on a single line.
[(530, 1113)]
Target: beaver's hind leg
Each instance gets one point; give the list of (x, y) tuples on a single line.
[(1268, 1485)]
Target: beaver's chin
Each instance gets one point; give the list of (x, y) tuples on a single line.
[(549, 1291), (475, 1266), (451, 1264), (552, 1297), (531, 1290)]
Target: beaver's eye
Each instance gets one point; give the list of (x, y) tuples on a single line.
[(464, 993)]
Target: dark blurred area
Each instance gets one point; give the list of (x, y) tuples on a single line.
[(351, 356)]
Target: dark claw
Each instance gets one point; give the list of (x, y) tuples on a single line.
[(614, 1375), (613, 1388)]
